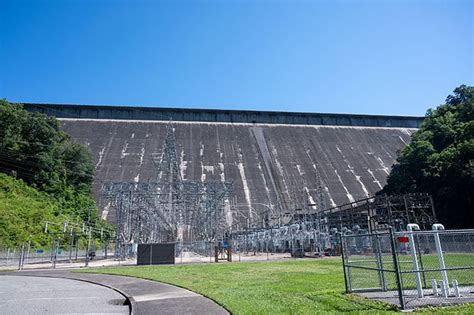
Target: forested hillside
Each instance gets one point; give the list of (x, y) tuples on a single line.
[(49, 175), (440, 160)]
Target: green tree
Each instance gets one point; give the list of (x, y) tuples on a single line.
[(440, 160), (34, 149)]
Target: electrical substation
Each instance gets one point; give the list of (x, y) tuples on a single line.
[(171, 209), (185, 185), (252, 181)]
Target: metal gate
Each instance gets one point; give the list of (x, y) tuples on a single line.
[(412, 268)]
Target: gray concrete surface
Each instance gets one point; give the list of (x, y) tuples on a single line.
[(268, 164), (270, 157), (215, 115), (145, 296), (38, 295)]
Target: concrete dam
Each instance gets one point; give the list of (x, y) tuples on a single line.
[(276, 161)]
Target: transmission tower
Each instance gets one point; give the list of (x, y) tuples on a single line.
[(172, 186), (168, 209)]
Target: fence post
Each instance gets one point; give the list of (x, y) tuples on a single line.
[(27, 252), (106, 244), (411, 227), (442, 265), (343, 255), (378, 253), (239, 251), (76, 248), (20, 261), (88, 247), (54, 251), (397, 269), (420, 259), (71, 235), (52, 248)]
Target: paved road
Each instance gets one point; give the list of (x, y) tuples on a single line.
[(38, 295), (146, 297)]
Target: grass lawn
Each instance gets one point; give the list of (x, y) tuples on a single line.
[(279, 287)]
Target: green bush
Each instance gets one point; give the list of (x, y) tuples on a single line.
[(24, 211)]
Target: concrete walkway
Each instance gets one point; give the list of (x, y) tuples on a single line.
[(145, 296)]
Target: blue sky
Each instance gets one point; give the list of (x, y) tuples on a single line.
[(373, 57)]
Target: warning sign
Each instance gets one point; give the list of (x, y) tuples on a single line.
[(403, 239)]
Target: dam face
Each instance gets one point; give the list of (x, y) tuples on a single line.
[(279, 161)]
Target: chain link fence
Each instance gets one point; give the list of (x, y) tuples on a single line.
[(411, 269), (55, 255)]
